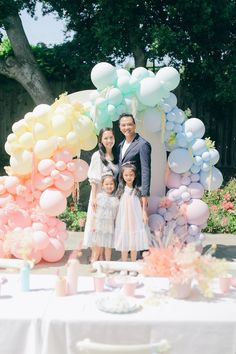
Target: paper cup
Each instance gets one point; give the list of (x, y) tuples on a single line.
[(129, 287), (99, 282)]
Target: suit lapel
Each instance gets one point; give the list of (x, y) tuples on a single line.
[(132, 145)]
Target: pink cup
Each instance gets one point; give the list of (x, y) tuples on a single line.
[(225, 283), (99, 282), (129, 287)]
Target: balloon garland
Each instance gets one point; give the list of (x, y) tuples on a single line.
[(45, 145)]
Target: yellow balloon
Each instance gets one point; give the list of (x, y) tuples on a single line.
[(44, 149), (72, 138), (60, 125), (21, 163), (26, 140), (83, 126), (11, 138), (19, 127), (41, 131), (30, 120), (89, 143)]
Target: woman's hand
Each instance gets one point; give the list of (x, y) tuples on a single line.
[(94, 204)]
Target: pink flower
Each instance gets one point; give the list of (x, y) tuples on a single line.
[(227, 205), (224, 221), (227, 196), (214, 207)]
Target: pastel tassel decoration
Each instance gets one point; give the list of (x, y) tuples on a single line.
[(25, 276), (60, 285), (72, 276)]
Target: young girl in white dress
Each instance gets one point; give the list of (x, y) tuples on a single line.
[(103, 220), (131, 233), (104, 160)]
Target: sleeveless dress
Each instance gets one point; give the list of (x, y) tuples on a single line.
[(95, 173), (104, 221), (131, 234)]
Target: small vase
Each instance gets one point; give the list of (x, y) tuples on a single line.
[(180, 290)]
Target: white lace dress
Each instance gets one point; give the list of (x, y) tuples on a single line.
[(103, 223), (131, 234), (95, 172)]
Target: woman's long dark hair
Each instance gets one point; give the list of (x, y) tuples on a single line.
[(101, 147), (122, 184)]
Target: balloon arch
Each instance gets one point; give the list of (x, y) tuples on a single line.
[(45, 145)]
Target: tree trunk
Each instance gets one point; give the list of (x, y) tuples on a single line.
[(139, 57), (22, 66)]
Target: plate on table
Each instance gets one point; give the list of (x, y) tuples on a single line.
[(117, 303)]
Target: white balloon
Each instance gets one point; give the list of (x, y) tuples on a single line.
[(171, 100), (103, 75), (214, 156), (195, 126), (140, 73), (180, 160), (212, 179), (170, 76), (150, 92), (198, 147)]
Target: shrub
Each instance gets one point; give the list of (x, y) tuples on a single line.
[(222, 205), (72, 216)]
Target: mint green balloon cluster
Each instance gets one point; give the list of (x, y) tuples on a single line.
[(120, 91)]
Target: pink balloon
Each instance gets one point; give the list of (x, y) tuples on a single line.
[(11, 182), (21, 202), (38, 226), (40, 240), (46, 166), (5, 199), (18, 218), (54, 251), (63, 155), (196, 190), (3, 217), (2, 189), (71, 166), (52, 202), (173, 180), (52, 232), (61, 165), (197, 212), (65, 181), (42, 183), (81, 170), (36, 256)]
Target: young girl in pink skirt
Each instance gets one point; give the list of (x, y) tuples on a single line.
[(131, 233)]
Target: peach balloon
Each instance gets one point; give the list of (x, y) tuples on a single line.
[(64, 155), (18, 218), (46, 166), (54, 251), (65, 181), (40, 240), (11, 183), (81, 170), (52, 202)]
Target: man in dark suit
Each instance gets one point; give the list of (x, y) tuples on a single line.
[(136, 150)]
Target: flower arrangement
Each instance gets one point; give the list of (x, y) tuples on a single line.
[(184, 263), (222, 205)]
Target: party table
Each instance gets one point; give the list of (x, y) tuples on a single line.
[(39, 322)]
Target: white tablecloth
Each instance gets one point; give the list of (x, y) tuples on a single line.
[(38, 322)]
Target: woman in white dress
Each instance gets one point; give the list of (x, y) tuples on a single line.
[(131, 232), (104, 160)]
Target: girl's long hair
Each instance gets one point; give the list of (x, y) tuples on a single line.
[(122, 183), (102, 149)]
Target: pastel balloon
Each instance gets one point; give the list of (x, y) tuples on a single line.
[(81, 170), (35, 255), (60, 165), (63, 155), (41, 183), (44, 149), (195, 126), (65, 181), (122, 72), (152, 120), (123, 84), (11, 183), (21, 163), (52, 202), (156, 222), (41, 111), (212, 179), (19, 127), (180, 160), (46, 166), (26, 140), (54, 251), (41, 131), (40, 240), (196, 190), (140, 73), (103, 75), (198, 147), (18, 218), (150, 92), (153, 202), (197, 212), (61, 125), (214, 156), (83, 126), (170, 76), (173, 180), (115, 96), (89, 143)]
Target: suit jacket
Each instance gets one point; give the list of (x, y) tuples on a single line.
[(139, 154)]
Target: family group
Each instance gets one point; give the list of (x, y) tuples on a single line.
[(119, 176)]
